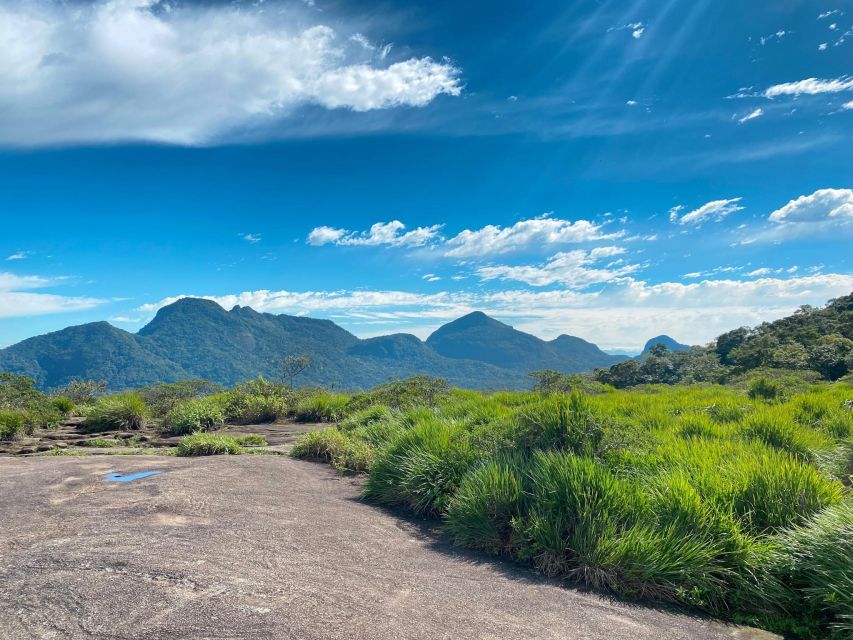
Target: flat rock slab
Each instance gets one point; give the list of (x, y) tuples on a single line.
[(265, 547)]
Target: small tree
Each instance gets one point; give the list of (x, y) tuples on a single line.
[(83, 391), (292, 366)]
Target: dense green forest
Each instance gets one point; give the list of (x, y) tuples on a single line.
[(817, 342)]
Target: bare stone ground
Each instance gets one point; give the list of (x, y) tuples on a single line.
[(264, 547)]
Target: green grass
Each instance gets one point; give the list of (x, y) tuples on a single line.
[(118, 411), (208, 444), (697, 495), (101, 443), (196, 414), (251, 440), (322, 407)]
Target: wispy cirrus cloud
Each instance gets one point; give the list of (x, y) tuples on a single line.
[(715, 210), (810, 86), (187, 73), (574, 269), (17, 298), (391, 234)]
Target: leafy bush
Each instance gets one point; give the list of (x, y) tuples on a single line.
[(322, 407), (63, 404), (208, 444), (332, 446), (163, 397), (12, 424), (198, 414), (118, 411)]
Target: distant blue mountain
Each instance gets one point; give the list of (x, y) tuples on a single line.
[(195, 338), (669, 343)]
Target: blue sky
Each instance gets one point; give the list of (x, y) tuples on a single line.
[(612, 170)]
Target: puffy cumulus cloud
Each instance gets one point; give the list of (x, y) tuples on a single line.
[(525, 234), (574, 269), (381, 233), (821, 206), (620, 316), (810, 86), (18, 300), (715, 210), (116, 70)]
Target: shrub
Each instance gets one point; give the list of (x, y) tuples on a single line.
[(251, 440), (163, 397), (198, 414), (254, 409), (208, 444), (11, 424), (101, 443), (118, 411), (322, 407), (332, 446), (62, 404)]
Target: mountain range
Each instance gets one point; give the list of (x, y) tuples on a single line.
[(196, 338)]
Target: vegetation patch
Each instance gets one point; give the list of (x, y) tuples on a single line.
[(118, 411), (702, 495), (208, 444)]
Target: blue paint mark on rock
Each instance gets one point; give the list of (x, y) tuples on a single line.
[(118, 477)]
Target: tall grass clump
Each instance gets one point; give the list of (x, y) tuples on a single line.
[(118, 411), (330, 445), (243, 408), (197, 414), (322, 407), (484, 513), (560, 422), (421, 468), (816, 560), (208, 444)]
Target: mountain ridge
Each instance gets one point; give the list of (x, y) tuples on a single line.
[(197, 338)]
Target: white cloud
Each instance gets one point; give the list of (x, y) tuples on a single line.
[(714, 210), (621, 316), (17, 300), (638, 33), (810, 86), (631, 103), (18, 255), (773, 36), (381, 233), (847, 105), (756, 113), (117, 70), (251, 238), (536, 232), (820, 206), (573, 269), (430, 277), (832, 12), (763, 271)]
